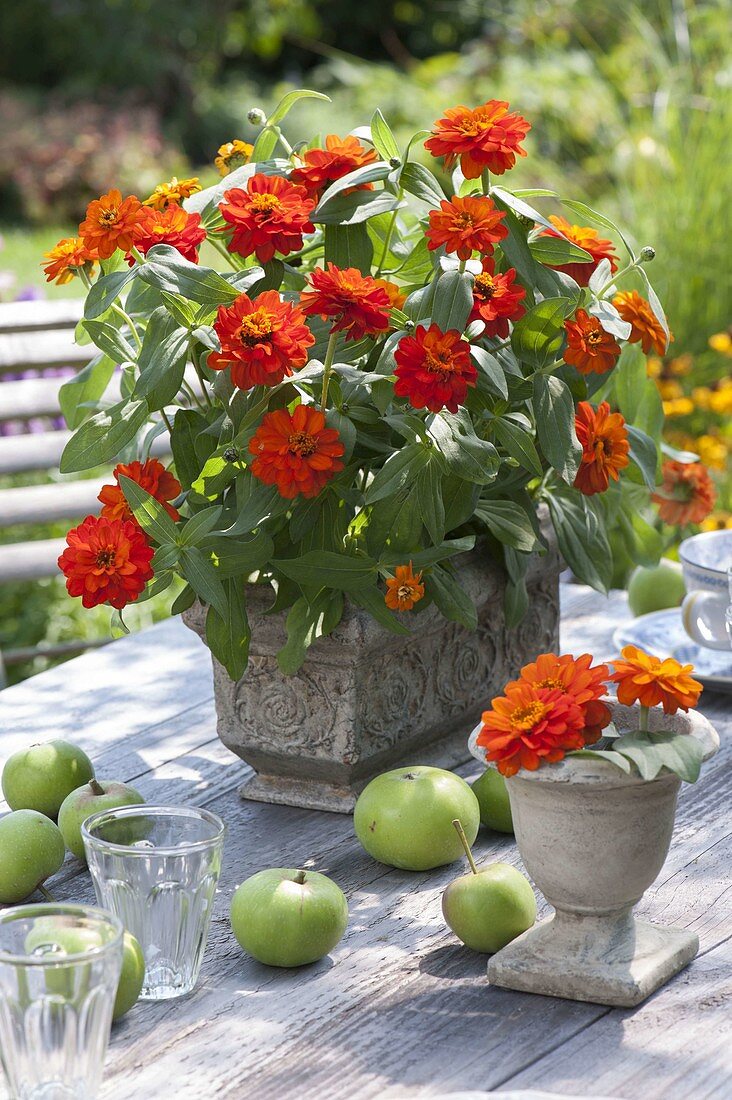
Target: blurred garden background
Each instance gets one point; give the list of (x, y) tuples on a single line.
[(630, 105)]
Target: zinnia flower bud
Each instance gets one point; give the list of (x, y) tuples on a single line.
[(256, 116), (647, 254)]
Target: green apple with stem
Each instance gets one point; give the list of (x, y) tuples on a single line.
[(31, 850), (92, 798), (40, 777), (488, 908), (495, 806), (288, 917), (404, 817)]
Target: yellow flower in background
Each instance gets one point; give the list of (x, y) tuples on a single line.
[(701, 396), (712, 451), (654, 367), (669, 389), (679, 406), (232, 154), (681, 366), (174, 190), (721, 342), (720, 521), (720, 400)]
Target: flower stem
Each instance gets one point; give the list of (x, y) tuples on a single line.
[(223, 251), (485, 179), (327, 365), (201, 379), (643, 718), (387, 239), (137, 255), (166, 421), (130, 324), (618, 275), (464, 841)]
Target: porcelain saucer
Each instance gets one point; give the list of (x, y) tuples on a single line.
[(662, 634)]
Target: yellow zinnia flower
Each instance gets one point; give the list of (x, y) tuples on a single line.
[(174, 190), (232, 154), (721, 342), (679, 406), (712, 451)]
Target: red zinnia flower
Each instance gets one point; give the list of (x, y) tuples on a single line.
[(106, 561), (65, 260), (270, 216), (434, 369), (645, 328), (111, 222), (466, 226), (583, 237), (174, 226), (605, 447), (530, 726), (322, 167), (576, 677), (651, 681), (686, 494), (485, 137), (589, 347), (297, 453), (262, 340), (355, 302), (496, 299), (150, 476)]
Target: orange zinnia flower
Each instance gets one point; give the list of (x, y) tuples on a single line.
[(173, 226), (466, 226), (583, 237), (232, 154), (262, 340), (686, 493), (296, 452), (106, 561), (530, 726), (270, 216), (576, 677), (589, 347), (354, 302), (496, 299), (322, 167), (652, 682), (393, 293), (111, 222), (645, 328), (404, 589), (152, 477), (605, 447), (484, 137), (174, 190), (434, 369), (66, 258)]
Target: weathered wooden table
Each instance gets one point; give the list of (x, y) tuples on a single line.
[(400, 1009)]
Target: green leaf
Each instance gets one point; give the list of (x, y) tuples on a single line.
[(81, 394), (644, 454), (167, 270), (368, 173), (509, 523), (256, 502), (188, 431), (423, 559), (180, 309), (101, 438), (306, 622), (581, 536), (679, 753), (451, 600), (266, 142), (396, 521), (519, 443), (199, 571), (216, 474), (655, 304), (538, 336), (557, 251), (185, 599), (630, 380), (420, 182), (198, 527), (322, 567), (515, 602), (554, 414), (453, 300), (228, 636), (110, 340), (149, 512), (492, 370), (371, 599), (383, 138), (106, 290), (643, 542), (429, 496), (604, 754), (162, 361), (349, 246), (355, 208), (460, 498), (399, 470), (239, 558), (599, 219)]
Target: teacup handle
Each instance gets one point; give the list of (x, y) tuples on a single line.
[(704, 618)]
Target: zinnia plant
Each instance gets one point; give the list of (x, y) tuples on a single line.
[(387, 361)]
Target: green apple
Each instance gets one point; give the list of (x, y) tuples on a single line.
[(131, 978), (31, 850), (656, 588), (495, 807), (92, 798), (287, 917), (404, 817), (39, 778), (488, 908)]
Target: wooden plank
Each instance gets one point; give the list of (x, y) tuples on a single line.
[(42, 350), (45, 503), (29, 398), (34, 451), (61, 313), (30, 561)]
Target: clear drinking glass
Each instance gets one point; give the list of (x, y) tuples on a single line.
[(156, 868), (59, 972)]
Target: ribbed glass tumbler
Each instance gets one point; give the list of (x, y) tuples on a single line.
[(156, 868), (59, 972)]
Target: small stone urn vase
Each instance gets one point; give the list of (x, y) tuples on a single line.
[(593, 839)]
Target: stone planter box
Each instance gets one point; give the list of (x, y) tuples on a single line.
[(367, 700), (594, 839)]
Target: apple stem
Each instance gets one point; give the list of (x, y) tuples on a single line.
[(96, 788), (46, 893), (464, 841), (299, 878)]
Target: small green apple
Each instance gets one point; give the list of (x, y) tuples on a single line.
[(404, 817), (40, 777), (92, 798), (495, 807), (31, 850), (656, 588), (131, 978), (287, 917)]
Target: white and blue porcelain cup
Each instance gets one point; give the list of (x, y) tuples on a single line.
[(706, 613)]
